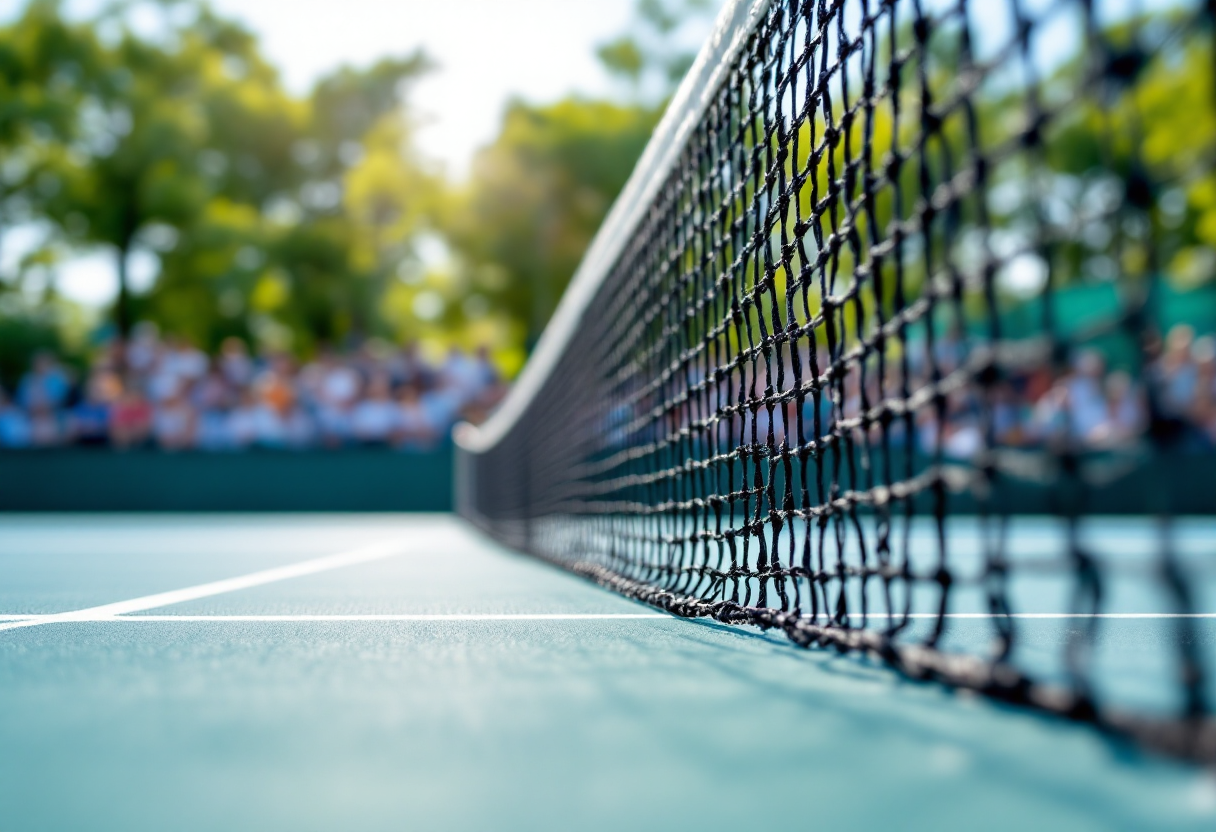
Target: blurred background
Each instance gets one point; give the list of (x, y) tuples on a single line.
[(336, 228), (303, 225)]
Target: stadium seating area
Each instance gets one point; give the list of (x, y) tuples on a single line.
[(165, 393)]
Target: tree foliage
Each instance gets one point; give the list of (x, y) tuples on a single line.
[(539, 192), (296, 220), (185, 145), (651, 57), (537, 196)]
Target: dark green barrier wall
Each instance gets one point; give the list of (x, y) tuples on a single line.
[(377, 480), (1181, 483), (104, 480)]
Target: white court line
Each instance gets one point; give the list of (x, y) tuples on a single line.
[(364, 554), (79, 616), (574, 616), (1059, 615)]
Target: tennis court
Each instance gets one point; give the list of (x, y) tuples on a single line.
[(815, 384), (387, 672)]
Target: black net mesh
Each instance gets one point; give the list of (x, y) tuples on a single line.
[(908, 278)]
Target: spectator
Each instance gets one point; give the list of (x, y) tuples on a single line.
[(417, 369), (299, 428), (183, 361), (173, 422), (337, 388), (480, 408), (276, 387), (46, 385), (1086, 401), (1124, 412), (960, 435), (272, 401), (143, 351), (414, 429), (277, 420), (441, 405), (373, 420), (340, 384), (1008, 416), (213, 431), (469, 374), (242, 423), (399, 367), (212, 391), (177, 369), (46, 425), (89, 420), (1178, 372), (14, 424), (235, 364), (1203, 407), (130, 420), (1049, 422)]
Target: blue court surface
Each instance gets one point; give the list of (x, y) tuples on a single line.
[(314, 672)]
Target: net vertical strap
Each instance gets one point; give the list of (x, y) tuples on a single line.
[(821, 355)]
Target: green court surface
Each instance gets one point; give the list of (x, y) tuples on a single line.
[(316, 672)]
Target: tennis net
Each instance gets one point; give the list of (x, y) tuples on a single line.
[(890, 274)]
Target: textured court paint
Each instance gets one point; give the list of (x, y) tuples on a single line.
[(54, 563), (530, 725), (354, 557)]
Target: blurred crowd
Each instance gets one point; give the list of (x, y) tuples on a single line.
[(1084, 404), (165, 393), (1088, 405)]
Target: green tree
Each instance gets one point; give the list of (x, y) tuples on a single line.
[(538, 194), (43, 61), (281, 253), (185, 143), (652, 57), (349, 103), (141, 160)]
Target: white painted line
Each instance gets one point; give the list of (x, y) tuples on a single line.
[(80, 616), (376, 551), (1065, 615), (391, 617)]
